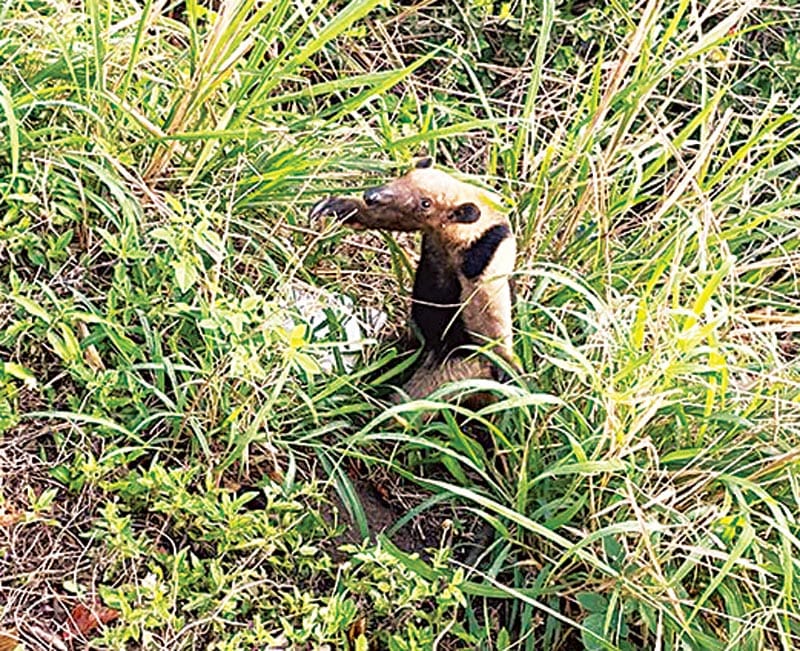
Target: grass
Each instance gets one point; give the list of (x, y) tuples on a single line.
[(187, 442)]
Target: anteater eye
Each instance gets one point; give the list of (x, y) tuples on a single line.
[(425, 203)]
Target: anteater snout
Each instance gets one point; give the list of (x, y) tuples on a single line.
[(377, 196)]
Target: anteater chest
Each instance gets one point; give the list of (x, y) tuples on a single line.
[(436, 307)]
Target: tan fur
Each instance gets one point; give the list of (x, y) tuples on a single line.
[(487, 299), (432, 375)]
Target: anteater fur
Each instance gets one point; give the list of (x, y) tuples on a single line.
[(461, 298)]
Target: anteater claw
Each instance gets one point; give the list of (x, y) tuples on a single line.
[(340, 208), (320, 208)]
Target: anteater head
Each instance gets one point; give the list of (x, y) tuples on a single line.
[(425, 199)]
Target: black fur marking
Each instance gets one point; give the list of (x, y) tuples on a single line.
[(436, 302), (500, 375), (466, 213), (478, 256), (423, 163)]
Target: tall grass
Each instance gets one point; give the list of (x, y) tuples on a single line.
[(634, 487)]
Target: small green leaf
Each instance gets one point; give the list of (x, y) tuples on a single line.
[(71, 344), (593, 602), (185, 273), (593, 624), (19, 372), (57, 345), (307, 363), (31, 307), (44, 501), (613, 549), (64, 240), (503, 640), (61, 474), (163, 234)]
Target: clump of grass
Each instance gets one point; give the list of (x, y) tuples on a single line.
[(637, 482)]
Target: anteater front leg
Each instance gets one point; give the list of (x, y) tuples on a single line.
[(432, 375)]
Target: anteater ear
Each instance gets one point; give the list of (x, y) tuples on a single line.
[(423, 163), (466, 213)]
